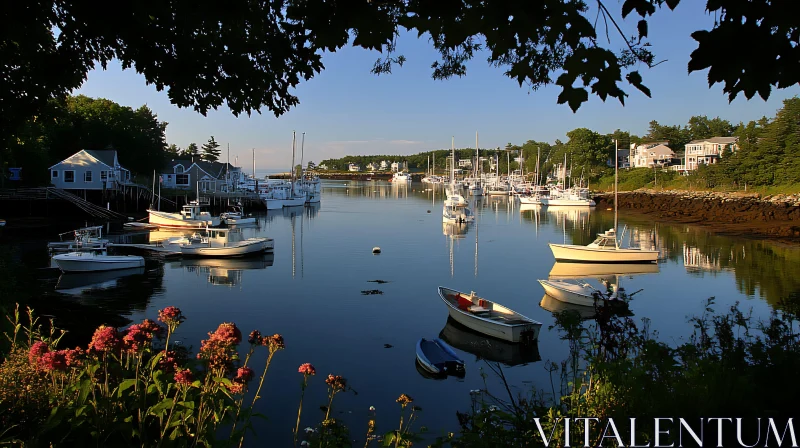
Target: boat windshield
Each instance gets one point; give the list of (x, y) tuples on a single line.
[(605, 242)]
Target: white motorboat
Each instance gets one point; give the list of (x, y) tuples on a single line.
[(191, 216), (221, 243), (79, 240), (401, 176), (235, 216), (94, 262), (488, 317), (576, 293), (604, 249), (574, 197)]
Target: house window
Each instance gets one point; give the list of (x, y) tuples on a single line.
[(182, 179), (87, 176), (104, 175), (55, 174), (69, 176)]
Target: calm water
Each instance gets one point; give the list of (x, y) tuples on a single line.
[(310, 291)]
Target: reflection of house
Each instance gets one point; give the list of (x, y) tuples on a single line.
[(353, 167), (89, 170), (212, 176), (646, 239), (651, 155), (695, 260)]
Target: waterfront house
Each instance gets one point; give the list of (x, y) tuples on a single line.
[(384, 165), (353, 167), (465, 163), (372, 166), (89, 170), (651, 155), (396, 166), (322, 167), (212, 177), (708, 151)]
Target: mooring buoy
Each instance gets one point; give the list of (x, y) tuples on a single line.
[(376, 250)]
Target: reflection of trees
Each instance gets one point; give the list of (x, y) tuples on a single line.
[(81, 315), (761, 268)]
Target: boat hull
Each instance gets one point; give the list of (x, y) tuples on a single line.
[(568, 293), (87, 263), (273, 204), (294, 202), (568, 202), (176, 221), (569, 252), (247, 247)]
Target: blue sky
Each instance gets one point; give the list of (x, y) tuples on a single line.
[(347, 110)]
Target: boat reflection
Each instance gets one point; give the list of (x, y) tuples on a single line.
[(79, 282), (455, 230), (224, 271), (554, 305), (562, 270), (488, 348)]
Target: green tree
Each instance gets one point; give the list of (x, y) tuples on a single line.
[(676, 136), (702, 127), (191, 151), (211, 150), (173, 150)]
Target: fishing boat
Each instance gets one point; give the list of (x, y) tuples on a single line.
[(221, 243), (490, 318), (235, 216), (80, 240), (578, 293), (401, 176), (94, 262), (438, 358), (191, 216)]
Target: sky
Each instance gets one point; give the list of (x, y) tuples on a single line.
[(346, 110)]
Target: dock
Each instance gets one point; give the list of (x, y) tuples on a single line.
[(155, 248)]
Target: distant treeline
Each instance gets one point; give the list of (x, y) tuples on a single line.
[(768, 155)]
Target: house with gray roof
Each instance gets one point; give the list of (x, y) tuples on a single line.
[(89, 170), (208, 177)]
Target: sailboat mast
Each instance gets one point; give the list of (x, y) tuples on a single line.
[(616, 176), (453, 162), (477, 156), (294, 140)]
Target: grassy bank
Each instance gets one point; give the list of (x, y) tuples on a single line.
[(645, 178)]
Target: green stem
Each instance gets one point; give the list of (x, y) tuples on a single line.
[(256, 397), (300, 408), (169, 417)]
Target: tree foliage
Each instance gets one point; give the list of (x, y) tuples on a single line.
[(249, 55), (211, 150), (191, 150)]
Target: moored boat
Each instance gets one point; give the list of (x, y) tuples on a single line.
[(438, 358), (94, 262), (490, 318), (190, 217), (575, 293), (604, 249), (235, 216), (222, 243)]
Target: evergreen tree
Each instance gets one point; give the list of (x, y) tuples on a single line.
[(211, 150), (191, 150)]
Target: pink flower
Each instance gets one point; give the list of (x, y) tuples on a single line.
[(74, 357), (38, 349), (217, 353), (52, 361), (171, 315), (255, 338), (151, 327), (235, 387), (228, 333), (307, 369), (136, 338), (244, 374), (274, 342), (184, 377), (105, 339)]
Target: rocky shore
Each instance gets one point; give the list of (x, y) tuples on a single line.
[(775, 216)]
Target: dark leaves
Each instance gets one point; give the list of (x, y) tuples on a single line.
[(642, 27), (635, 79)]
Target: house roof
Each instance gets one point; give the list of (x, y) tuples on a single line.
[(216, 170), (106, 157), (718, 140)]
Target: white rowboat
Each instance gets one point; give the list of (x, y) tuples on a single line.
[(489, 318)]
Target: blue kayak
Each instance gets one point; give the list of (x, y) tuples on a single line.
[(438, 358)]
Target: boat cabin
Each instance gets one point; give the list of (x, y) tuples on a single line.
[(607, 240), (193, 211), (223, 237)]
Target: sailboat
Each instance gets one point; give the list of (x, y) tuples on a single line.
[(455, 206), (605, 248), (476, 189), (295, 198)]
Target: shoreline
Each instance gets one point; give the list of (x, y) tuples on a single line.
[(735, 214)]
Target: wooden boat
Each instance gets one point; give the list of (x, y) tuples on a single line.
[(94, 262), (438, 358), (490, 318), (488, 348)]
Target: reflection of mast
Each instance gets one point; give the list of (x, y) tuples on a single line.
[(293, 257), (451, 256), (302, 224), (476, 246)]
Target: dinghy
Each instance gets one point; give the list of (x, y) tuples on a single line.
[(489, 318), (438, 358), (94, 262)]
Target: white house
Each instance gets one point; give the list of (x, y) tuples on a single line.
[(708, 151), (185, 174), (89, 170), (396, 166), (649, 155), (322, 167), (465, 163), (353, 167), (372, 166), (384, 165)]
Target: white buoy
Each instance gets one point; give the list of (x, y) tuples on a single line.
[(376, 250)]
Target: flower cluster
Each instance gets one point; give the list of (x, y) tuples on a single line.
[(220, 347), (184, 377), (36, 351), (255, 338), (172, 360), (404, 400), (136, 338), (274, 342), (41, 357), (54, 361), (307, 369), (239, 382), (105, 339), (336, 382), (228, 332), (172, 316)]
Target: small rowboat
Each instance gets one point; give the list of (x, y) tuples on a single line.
[(489, 318), (438, 358)]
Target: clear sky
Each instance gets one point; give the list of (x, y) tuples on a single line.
[(347, 110)]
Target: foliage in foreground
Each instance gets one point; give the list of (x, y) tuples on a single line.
[(132, 388)]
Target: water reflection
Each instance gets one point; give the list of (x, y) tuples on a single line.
[(549, 303), (486, 348), (76, 283), (224, 271)]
